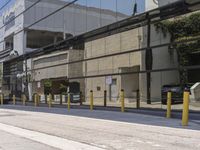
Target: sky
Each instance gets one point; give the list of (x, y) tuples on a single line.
[(123, 5), (3, 2)]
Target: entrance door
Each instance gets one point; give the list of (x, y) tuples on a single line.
[(130, 82), (114, 90)]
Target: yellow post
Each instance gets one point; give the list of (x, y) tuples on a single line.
[(169, 103), (50, 100), (122, 100), (14, 100), (1, 99), (91, 100), (24, 99), (185, 113), (35, 100), (68, 101), (38, 99)]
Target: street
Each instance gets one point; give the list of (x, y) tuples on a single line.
[(44, 128)]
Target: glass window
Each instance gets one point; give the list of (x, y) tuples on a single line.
[(125, 8), (80, 15), (108, 12), (93, 14)]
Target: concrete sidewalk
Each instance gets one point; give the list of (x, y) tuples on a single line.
[(146, 117), (99, 129), (193, 115)]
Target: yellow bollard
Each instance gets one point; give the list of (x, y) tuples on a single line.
[(185, 113), (91, 100), (169, 103), (38, 99), (14, 99), (68, 101), (1, 99), (122, 100), (50, 100), (35, 100), (24, 99)]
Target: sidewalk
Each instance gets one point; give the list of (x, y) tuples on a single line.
[(193, 115), (146, 117)]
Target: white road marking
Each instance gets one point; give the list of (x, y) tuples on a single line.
[(46, 139)]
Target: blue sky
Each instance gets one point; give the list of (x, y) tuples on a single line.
[(3, 2), (125, 6)]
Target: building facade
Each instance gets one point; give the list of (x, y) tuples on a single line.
[(32, 29), (23, 35), (130, 62)]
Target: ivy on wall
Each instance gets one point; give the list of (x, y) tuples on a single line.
[(186, 27)]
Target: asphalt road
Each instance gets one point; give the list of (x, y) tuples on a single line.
[(43, 128)]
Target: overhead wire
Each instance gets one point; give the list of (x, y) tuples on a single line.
[(14, 18), (43, 18), (4, 5)]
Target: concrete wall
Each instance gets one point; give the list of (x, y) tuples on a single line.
[(58, 70), (112, 44), (163, 58), (132, 39), (47, 61)]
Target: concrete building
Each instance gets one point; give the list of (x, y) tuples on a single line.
[(22, 35), (53, 67), (84, 16), (130, 62)]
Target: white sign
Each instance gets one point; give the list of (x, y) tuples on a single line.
[(108, 80)]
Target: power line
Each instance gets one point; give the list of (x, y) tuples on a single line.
[(120, 53), (130, 51), (20, 14), (2, 7), (54, 12), (112, 25), (193, 67), (134, 21), (156, 15)]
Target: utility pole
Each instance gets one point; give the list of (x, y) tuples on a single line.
[(149, 60)]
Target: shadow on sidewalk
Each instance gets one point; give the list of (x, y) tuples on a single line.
[(144, 117)]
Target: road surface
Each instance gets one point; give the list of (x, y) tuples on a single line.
[(24, 127)]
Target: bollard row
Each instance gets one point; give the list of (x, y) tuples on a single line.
[(185, 112), (1, 97)]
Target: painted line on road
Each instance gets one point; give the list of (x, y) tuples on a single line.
[(46, 139)]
